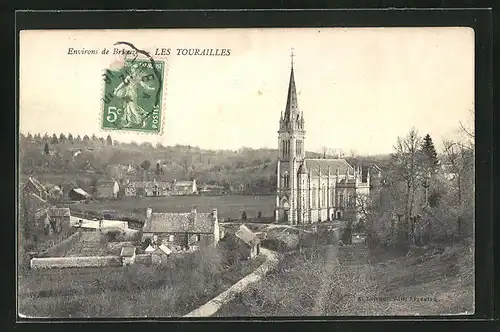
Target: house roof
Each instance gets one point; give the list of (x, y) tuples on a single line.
[(247, 236), (127, 252), (59, 212), (35, 183), (314, 165), (140, 184), (147, 184), (179, 223), (81, 192), (149, 249), (183, 183), (163, 249)]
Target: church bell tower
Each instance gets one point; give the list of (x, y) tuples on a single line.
[(291, 154)]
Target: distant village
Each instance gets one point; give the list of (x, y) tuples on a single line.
[(161, 235)]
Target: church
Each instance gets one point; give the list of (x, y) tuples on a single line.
[(312, 190)]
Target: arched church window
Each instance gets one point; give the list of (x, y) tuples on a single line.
[(324, 196), (314, 197), (286, 180), (341, 200)]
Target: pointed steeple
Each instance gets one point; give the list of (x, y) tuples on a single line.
[(292, 108)]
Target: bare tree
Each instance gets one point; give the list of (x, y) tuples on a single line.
[(407, 169)]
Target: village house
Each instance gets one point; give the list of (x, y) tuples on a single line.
[(59, 219), (35, 211), (241, 245), (107, 189), (134, 188), (128, 255), (190, 230), (184, 188)]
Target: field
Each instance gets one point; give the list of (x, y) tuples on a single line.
[(174, 289), (430, 282), (229, 206)]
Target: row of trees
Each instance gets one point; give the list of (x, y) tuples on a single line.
[(62, 138), (426, 196)]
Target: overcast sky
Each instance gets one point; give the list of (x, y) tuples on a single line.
[(359, 88)]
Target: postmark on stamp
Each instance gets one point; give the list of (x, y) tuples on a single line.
[(132, 97)]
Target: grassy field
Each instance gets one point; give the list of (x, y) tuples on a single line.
[(230, 206), (430, 282), (138, 291)]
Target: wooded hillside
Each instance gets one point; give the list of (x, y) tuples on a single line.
[(90, 158)]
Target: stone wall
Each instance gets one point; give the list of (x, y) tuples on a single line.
[(71, 262), (62, 247)]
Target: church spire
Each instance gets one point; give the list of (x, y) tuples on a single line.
[(292, 109)]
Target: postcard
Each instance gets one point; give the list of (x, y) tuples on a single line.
[(246, 172)]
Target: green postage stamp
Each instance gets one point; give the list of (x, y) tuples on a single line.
[(133, 96)]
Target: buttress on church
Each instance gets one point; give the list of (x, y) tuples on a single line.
[(312, 190)]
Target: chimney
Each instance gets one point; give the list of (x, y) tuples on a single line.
[(149, 212), (214, 214), (193, 210)]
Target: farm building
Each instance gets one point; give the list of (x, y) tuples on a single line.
[(212, 190), (186, 230), (241, 245), (184, 188), (128, 255), (107, 189), (160, 255)]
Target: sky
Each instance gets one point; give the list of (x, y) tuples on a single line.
[(359, 88)]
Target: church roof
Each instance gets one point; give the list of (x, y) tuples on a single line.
[(292, 107), (315, 164)]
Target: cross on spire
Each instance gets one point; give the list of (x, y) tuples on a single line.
[(291, 56)]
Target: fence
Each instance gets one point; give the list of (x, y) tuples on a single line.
[(62, 247), (74, 262)]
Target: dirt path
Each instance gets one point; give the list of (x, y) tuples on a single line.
[(212, 306), (331, 262)]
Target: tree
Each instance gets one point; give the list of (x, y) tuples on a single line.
[(94, 138), (46, 148), (407, 169), (109, 141), (30, 137), (70, 138), (86, 139), (46, 137), (78, 139), (145, 165), (459, 159), (38, 138), (159, 169), (62, 138), (54, 139), (429, 155)]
